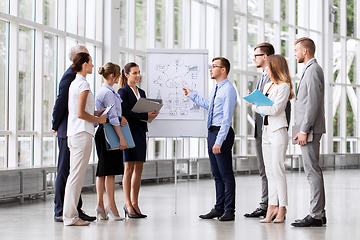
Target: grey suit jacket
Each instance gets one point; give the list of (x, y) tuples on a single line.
[(310, 99), (258, 117)]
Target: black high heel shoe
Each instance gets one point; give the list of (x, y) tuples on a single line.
[(140, 214), (128, 214)]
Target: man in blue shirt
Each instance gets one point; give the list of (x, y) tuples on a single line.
[(221, 105)]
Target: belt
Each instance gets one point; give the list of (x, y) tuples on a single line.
[(213, 128)]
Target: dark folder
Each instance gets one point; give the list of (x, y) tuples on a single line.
[(296, 130), (112, 139)]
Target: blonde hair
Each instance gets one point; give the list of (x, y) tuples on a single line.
[(280, 71), (109, 68)]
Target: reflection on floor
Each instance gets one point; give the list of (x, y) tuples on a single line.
[(34, 219)]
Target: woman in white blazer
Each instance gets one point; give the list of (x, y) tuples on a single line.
[(275, 136)]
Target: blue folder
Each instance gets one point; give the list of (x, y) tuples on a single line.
[(258, 99), (112, 139)]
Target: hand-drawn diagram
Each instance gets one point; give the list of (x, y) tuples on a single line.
[(168, 76)]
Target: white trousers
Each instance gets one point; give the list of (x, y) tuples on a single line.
[(80, 146), (274, 145)]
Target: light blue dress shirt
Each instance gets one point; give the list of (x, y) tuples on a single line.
[(224, 106), (107, 96)]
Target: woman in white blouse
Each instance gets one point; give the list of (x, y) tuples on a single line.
[(275, 136), (80, 134)]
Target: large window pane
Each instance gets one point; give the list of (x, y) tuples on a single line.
[(141, 61), (69, 44), (237, 42), (4, 58), (3, 161), (160, 23), (237, 5), (140, 20), (337, 17), (25, 153), (337, 59), (4, 7), (253, 28), (50, 56), (301, 13), (26, 78), (178, 15), (253, 7), (72, 16), (285, 41), (350, 118), (351, 47), (269, 9), (27, 9), (90, 18), (50, 14), (351, 18), (284, 14), (123, 23), (48, 151), (195, 24), (269, 32)]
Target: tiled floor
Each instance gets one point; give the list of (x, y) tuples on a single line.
[(34, 218)]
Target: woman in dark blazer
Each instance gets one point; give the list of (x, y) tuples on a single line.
[(134, 158)]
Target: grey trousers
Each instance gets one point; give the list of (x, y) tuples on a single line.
[(264, 181), (310, 157)]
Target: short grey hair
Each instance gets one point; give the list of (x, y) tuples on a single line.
[(76, 49)]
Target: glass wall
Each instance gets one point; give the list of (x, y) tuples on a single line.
[(35, 61)]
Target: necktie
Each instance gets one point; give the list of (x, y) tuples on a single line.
[(262, 82), (211, 109)]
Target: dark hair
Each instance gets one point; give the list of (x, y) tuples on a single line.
[(78, 60), (126, 70), (109, 68), (308, 44), (224, 63), (266, 48)]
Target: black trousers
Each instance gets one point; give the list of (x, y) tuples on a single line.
[(63, 169), (222, 170)]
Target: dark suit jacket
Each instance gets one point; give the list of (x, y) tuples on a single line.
[(129, 101), (60, 112)]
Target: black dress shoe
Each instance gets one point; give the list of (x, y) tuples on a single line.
[(256, 213), (212, 214), (85, 217), (227, 216), (308, 221), (323, 219), (58, 219)]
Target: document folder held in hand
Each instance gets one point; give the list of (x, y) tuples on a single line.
[(296, 129), (146, 105), (112, 139), (259, 99)]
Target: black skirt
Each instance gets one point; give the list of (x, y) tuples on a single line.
[(110, 162)]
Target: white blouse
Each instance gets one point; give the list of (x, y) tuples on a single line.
[(75, 124)]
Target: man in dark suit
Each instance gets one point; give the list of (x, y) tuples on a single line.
[(59, 125), (261, 52), (310, 115)]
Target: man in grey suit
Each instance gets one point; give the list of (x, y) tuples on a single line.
[(311, 117), (261, 52)]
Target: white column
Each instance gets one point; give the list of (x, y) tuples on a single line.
[(328, 38), (227, 30), (111, 31), (38, 98), (13, 86), (151, 149), (169, 148)]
